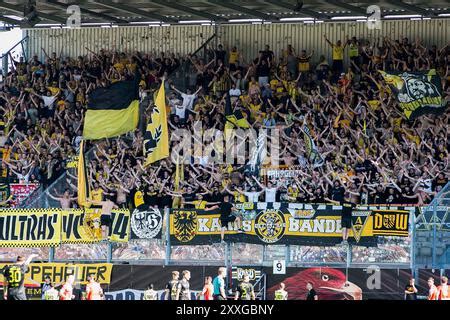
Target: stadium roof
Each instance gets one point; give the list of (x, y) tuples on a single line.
[(135, 12)]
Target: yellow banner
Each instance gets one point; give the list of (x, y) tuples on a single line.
[(83, 226), (318, 225), (51, 227), (30, 227), (156, 137), (58, 272)]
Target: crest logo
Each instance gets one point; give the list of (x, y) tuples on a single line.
[(389, 221), (185, 225), (270, 225), (359, 220), (146, 224)]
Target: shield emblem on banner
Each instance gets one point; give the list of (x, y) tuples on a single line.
[(185, 225), (359, 220), (389, 221)]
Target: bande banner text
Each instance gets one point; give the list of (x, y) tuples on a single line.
[(295, 224)]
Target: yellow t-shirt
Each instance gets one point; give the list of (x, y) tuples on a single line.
[(338, 52), (199, 204), (254, 108), (374, 104), (53, 90), (225, 182), (119, 67), (303, 64), (238, 197), (273, 84), (97, 195), (353, 50), (234, 56)]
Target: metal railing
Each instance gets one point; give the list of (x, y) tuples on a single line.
[(19, 50), (431, 230), (184, 77), (260, 287)]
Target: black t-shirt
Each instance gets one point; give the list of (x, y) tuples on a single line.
[(189, 197), (225, 209), (267, 54), (184, 292), (214, 197), (263, 70), (78, 294), (245, 291), (220, 55), (379, 197), (15, 275), (151, 198), (303, 199), (337, 193), (412, 296), (347, 208), (392, 198), (311, 294), (172, 286)]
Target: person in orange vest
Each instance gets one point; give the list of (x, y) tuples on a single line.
[(442, 290), (432, 292)]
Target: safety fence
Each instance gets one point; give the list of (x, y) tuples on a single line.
[(307, 235)]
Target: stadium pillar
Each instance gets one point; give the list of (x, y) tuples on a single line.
[(167, 218), (51, 254), (5, 65), (287, 254), (109, 252), (349, 256), (228, 257), (412, 249), (434, 219)]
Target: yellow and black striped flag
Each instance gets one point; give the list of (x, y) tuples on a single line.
[(112, 111), (83, 185), (156, 137)]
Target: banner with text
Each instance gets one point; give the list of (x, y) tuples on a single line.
[(30, 227), (83, 226), (51, 227), (295, 224), (58, 272)]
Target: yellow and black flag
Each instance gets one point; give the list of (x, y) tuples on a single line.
[(156, 137), (83, 185), (417, 93), (112, 111), (234, 119)]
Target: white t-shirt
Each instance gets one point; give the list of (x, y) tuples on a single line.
[(188, 100), (252, 196), (180, 111), (270, 194), (235, 92)]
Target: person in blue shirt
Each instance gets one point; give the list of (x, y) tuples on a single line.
[(219, 285)]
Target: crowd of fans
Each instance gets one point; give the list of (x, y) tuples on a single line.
[(371, 151)]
